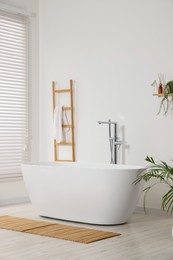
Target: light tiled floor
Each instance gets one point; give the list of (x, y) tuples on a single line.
[(143, 237)]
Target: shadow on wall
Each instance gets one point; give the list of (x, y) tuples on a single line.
[(124, 146)]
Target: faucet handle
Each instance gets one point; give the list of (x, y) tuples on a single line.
[(118, 142)]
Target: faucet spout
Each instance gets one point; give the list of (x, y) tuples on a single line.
[(109, 122)]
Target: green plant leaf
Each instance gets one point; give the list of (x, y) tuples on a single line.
[(163, 173), (167, 201)]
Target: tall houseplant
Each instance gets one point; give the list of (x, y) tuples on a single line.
[(163, 173)]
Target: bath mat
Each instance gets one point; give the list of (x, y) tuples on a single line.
[(49, 229)]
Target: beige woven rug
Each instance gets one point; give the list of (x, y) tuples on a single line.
[(43, 228)]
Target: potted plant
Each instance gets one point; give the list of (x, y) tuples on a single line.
[(163, 173), (167, 100)]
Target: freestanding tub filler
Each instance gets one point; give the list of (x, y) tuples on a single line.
[(91, 193)]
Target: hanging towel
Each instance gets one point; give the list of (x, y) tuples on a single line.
[(65, 120), (57, 124)]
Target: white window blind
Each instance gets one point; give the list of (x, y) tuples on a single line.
[(14, 98)]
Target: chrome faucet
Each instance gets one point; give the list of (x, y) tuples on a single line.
[(113, 140)]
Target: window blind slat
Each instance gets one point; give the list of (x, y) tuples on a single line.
[(14, 76), (6, 57)]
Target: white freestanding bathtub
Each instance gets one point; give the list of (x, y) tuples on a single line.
[(91, 193)]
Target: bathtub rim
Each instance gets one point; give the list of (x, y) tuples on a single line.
[(85, 165)]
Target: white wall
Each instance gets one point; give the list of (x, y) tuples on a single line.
[(13, 190), (113, 49)]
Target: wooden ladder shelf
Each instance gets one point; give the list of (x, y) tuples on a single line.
[(70, 126)]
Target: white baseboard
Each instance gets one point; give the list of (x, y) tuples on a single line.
[(12, 201)]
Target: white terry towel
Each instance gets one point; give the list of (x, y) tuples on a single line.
[(57, 124)]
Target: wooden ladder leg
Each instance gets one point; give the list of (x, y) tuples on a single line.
[(53, 97), (72, 120)]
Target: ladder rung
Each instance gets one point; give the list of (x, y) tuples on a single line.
[(66, 108), (67, 126), (62, 90), (64, 160), (64, 143)]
